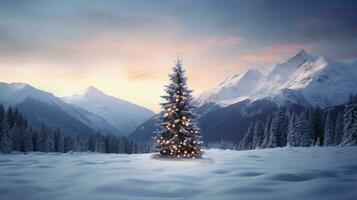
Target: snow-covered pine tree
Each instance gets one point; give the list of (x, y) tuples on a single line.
[(68, 143), (27, 140), (41, 139), (258, 134), (328, 131), (2, 117), (50, 142), (247, 141), (350, 123), (266, 133), (122, 144), (273, 136), (59, 141), (99, 145), (306, 129), (338, 128), (10, 117), (177, 133), (6, 139), (278, 130), (6, 143), (82, 144), (293, 138), (318, 125), (15, 133), (2, 113)]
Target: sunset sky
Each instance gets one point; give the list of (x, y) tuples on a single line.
[(127, 48)]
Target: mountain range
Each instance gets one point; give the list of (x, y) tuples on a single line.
[(69, 114), (224, 111), (304, 80), (121, 114)]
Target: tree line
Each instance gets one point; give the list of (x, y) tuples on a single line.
[(309, 127), (17, 135)]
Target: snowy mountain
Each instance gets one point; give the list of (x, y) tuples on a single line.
[(121, 114), (225, 112), (43, 107), (303, 79)]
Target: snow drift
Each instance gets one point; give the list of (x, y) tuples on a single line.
[(282, 173)]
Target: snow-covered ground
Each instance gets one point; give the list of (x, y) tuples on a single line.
[(286, 173)]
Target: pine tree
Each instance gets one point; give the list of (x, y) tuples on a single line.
[(278, 130), (247, 141), (6, 145), (58, 140), (82, 144), (306, 129), (2, 113), (338, 128), (318, 125), (293, 138), (28, 141), (266, 133), (99, 145), (328, 131), (2, 117), (122, 144), (350, 123), (10, 117), (41, 139), (16, 138), (258, 134), (178, 134), (68, 143), (50, 143), (273, 136)]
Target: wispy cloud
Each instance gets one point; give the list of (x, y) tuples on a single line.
[(209, 43), (141, 74), (273, 53)]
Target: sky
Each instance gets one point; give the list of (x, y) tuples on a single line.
[(127, 48)]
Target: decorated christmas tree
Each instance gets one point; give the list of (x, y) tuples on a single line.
[(178, 135)]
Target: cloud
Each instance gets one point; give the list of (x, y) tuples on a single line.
[(332, 24), (141, 74), (273, 53), (260, 58), (109, 20), (209, 43)]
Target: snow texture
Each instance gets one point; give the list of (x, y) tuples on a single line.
[(282, 173)]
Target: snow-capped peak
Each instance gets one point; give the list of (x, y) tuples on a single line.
[(13, 93), (302, 78), (233, 89), (121, 114), (301, 57), (228, 79), (90, 90)]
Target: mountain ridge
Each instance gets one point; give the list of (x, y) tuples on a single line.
[(121, 114), (27, 97), (301, 75)]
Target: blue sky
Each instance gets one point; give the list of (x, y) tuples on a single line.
[(126, 48)]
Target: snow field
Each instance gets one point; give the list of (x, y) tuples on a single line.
[(281, 173)]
